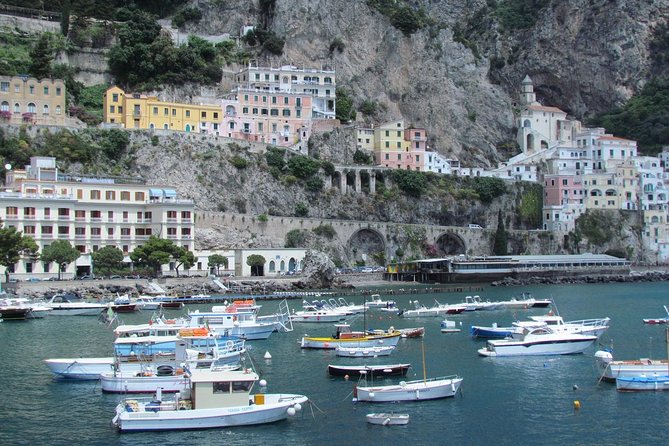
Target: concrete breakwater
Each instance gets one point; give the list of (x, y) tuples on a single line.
[(634, 276)]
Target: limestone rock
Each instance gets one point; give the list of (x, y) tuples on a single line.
[(318, 271)]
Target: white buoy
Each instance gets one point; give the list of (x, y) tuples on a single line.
[(291, 411), (262, 383), (267, 355), (298, 407)]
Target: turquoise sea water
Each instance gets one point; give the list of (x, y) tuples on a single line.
[(504, 401)]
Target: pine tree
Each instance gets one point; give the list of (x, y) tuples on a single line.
[(501, 238), (41, 56)]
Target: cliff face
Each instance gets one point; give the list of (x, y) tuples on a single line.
[(460, 76)]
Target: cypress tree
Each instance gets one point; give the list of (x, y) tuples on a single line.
[(501, 238)]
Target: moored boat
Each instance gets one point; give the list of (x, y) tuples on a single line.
[(492, 332), (539, 341), (447, 326), (388, 419), (213, 400), (369, 370), (610, 369), (364, 352), (415, 332), (73, 305), (642, 383), (658, 320), (418, 390), (346, 337)]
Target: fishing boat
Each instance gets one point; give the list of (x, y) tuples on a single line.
[(642, 383), (418, 390), (377, 302), (415, 332), (364, 352), (123, 304), (213, 400), (73, 305), (658, 320), (539, 341), (525, 301), (369, 370), (388, 419), (317, 312), (595, 327), (447, 326), (11, 310), (146, 302), (240, 323), (345, 337)]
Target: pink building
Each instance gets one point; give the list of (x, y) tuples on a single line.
[(416, 144), (563, 190), (277, 118)]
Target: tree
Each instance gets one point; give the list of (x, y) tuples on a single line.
[(154, 253), (61, 252), (41, 56), (216, 261), (257, 263), (12, 245), (107, 259), (501, 237), (345, 111), (183, 258)]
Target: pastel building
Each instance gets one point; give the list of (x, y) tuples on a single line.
[(26, 100), (90, 212), (626, 178), (437, 163), (320, 84), (139, 111), (600, 191), (563, 201), (279, 118)]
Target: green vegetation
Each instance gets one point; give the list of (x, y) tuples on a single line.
[(326, 231), (597, 227), (216, 261), (256, 262), (264, 40), (15, 53), (239, 162), (107, 259), (368, 107), (345, 111), (337, 45), (301, 210), (303, 166), (402, 15), (296, 238), (518, 14), (531, 205), (263, 218), (501, 242), (644, 118), (12, 245), (411, 182), (157, 252), (489, 188), (361, 157), (186, 14), (62, 253)]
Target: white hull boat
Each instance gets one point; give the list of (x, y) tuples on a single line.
[(213, 400), (609, 369), (595, 327), (643, 383), (539, 341), (142, 382), (364, 352), (69, 305), (418, 390), (379, 303), (242, 324), (388, 419)]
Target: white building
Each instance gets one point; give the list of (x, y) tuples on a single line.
[(277, 261), (90, 212)]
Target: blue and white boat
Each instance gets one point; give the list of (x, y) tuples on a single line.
[(492, 332), (243, 324), (642, 383)]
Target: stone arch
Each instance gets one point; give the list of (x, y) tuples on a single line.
[(450, 243), (292, 264), (529, 142), (364, 244)]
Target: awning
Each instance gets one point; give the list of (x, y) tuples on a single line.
[(170, 192), (155, 193)]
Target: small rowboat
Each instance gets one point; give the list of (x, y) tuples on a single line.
[(365, 352), (369, 370), (388, 419), (416, 332)]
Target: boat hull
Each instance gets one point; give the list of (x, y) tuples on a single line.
[(363, 352), (410, 391), (609, 369), (15, 313), (370, 370), (537, 348), (77, 311), (130, 383), (643, 383), (332, 343), (275, 408), (478, 332), (388, 419)]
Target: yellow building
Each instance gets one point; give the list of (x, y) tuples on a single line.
[(26, 100), (390, 145), (600, 191), (139, 111), (628, 184)]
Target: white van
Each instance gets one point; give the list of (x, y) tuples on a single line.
[(473, 226)]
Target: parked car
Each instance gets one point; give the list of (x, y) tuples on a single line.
[(86, 277), (474, 226), (115, 277), (33, 279)]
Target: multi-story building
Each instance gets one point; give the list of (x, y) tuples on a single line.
[(139, 111), (563, 201), (626, 178), (90, 212), (279, 118), (600, 191), (26, 100), (365, 138), (320, 84), (437, 163)]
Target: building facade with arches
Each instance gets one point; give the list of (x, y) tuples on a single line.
[(27, 100)]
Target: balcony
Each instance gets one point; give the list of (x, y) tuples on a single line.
[(171, 220), (64, 217), (96, 219), (186, 220), (80, 219), (63, 236), (47, 236), (29, 217), (12, 217)]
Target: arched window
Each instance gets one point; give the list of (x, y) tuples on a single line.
[(230, 110), (165, 126), (152, 126), (31, 107), (284, 80), (527, 124), (291, 264), (283, 266), (58, 109), (4, 106), (272, 266), (45, 109), (17, 108)]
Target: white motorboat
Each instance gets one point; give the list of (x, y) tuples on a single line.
[(595, 327), (364, 352), (436, 311), (244, 324), (146, 302), (377, 302), (525, 301), (610, 369), (539, 341), (72, 305), (447, 326), (419, 390), (214, 399), (388, 419), (21, 308), (318, 313)]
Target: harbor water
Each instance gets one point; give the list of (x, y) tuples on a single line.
[(503, 401)]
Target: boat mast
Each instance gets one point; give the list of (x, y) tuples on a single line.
[(422, 346)]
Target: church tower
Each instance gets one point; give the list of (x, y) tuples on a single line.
[(528, 97)]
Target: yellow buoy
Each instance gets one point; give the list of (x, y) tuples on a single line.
[(577, 404)]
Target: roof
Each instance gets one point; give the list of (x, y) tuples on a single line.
[(545, 108), (614, 138), (205, 375)]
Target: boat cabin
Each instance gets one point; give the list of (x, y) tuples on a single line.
[(344, 332), (213, 389)]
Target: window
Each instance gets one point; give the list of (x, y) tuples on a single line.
[(17, 108), (32, 108), (58, 110), (115, 97), (46, 91), (139, 196), (285, 100), (203, 115), (254, 110), (215, 115), (185, 215), (166, 111), (31, 89), (120, 109), (95, 195), (4, 86), (286, 112), (221, 387), (155, 111), (188, 113), (110, 216), (273, 99), (110, 232), (125, 196), (274, 112), (110, 195), (4, 106), (79, 215), (58, 91)]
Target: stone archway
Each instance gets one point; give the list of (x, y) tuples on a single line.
[(364, 246), (449, 244)]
